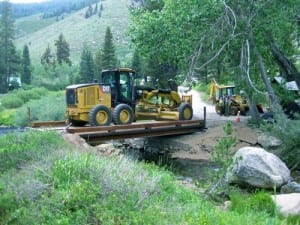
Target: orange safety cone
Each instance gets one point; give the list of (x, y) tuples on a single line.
[(238, 119)]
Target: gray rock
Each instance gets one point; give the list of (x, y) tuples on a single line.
[(258, 168), (268, 142), (288, 204), (290, 187)]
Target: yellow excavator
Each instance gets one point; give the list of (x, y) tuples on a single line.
[(227, 102), (119, 99)]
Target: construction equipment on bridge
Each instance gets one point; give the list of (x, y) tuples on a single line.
[(119, 99), (227, 102)]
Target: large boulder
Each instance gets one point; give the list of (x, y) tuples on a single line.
[(258, 168)]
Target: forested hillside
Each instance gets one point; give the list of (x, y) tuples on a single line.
[(48, 8), (77, 30)]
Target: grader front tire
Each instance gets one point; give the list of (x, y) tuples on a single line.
[(100, 115)]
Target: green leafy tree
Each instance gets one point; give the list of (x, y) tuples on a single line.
[(86, 71), (9, 57), (62, 50), (26, 66), (136, 62), (109, 59), (231, 40)]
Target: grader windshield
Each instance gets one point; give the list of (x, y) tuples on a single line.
[(121, 82)]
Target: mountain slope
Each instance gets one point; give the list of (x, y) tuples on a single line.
[(78, 31)]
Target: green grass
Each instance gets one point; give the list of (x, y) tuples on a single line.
[(36, 104), (50, 107), (28, 25), (77, 30), (44, 180)]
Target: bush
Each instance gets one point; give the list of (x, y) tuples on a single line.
[(11, 101), (31, 94), (5, 119), (17, 148), (18, 97), (48, 108), (288, 132), (259, 202)]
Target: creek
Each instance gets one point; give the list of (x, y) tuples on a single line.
[(190, 170), (155, 150)]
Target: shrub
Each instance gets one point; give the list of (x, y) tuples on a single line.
[(48, 108), (256, 203), (17, 148), (11, 101), (8, 204), (31, 94), (288, 132), (6, 119)]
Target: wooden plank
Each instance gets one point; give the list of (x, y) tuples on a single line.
[(147, 125), (48, 123)]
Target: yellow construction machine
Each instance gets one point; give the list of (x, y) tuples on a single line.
[(119, 99), (227, 102)]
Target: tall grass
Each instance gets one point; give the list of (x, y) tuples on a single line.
[(48, 182), (18, 97), (51, 107)]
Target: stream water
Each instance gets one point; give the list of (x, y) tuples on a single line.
[(189, 170), (194, 171)]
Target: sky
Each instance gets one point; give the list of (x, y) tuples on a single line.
[(24, 1)]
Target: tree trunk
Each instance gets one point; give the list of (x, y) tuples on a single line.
[(264, 76), (272, 97), (3, 84), (253, 111), (285, 64)]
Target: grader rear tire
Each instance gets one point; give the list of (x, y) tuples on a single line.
[(185, 111), (100, 115)]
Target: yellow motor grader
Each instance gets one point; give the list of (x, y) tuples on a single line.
[(227, 102), (116, 98)]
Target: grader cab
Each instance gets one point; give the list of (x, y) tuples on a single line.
[(118, 99)]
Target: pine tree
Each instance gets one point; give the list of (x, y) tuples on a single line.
[(26, 64), (98, 64), (48, 59), (109, 59), (86, 72), (89, 12), (96, 9), (9, 58), (62, 50)]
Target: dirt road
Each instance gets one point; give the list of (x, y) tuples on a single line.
[(213, 119), (197, 146)]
